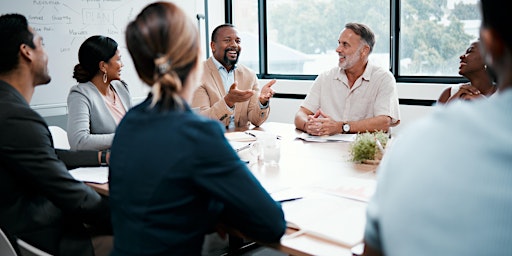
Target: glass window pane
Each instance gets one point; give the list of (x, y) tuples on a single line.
[(434, 33), (303, 35), (245, 18)]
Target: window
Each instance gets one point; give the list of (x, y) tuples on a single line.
[(245, 18), (434, 33), (302, 35)]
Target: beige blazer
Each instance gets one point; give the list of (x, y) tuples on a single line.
[(209, 97)]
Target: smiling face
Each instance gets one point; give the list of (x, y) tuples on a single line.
[(471, 60), (226, 47), (40, 60), (351, 49), (113, 67)]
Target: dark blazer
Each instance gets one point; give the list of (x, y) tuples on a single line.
[(188, 179), (41, 202)]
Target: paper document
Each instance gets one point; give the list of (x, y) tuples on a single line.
[(288, 195), (338, 137), (91, 174), (239, 136), (350, 187), (239, 146), (336, 219)]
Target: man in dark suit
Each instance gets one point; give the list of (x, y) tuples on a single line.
[(40, 202)]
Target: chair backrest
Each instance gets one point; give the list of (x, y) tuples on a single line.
[(6, 248), (60, 137), (29, 250)]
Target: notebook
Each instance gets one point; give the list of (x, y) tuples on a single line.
[(91, 174), (239, 136), (336, 219)]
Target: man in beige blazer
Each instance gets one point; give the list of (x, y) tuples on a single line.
[(229, 92)]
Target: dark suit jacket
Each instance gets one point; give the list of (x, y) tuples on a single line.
[(188, 179), (209, 97), (41, 202)]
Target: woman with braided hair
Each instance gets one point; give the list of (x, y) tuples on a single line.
[(173, 175)]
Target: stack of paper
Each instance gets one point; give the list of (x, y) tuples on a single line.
[(239, 136), (350, 187), (336, 219), (239, 145), (337, 137), (91, 174)]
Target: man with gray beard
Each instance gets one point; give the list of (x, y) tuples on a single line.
[(354, 97)]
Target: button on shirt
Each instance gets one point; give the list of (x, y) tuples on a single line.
[(373, 94), (228, 78)]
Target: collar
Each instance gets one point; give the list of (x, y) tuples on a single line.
[(219, 66), (367, 73)]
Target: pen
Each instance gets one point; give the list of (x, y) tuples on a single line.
[(252, 134), (248, 133), (244, 147), (289, 199)]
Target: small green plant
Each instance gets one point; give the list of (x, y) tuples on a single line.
[(365, 146)]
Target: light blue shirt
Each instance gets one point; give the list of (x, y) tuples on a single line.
[(228, 78), (445, 185)]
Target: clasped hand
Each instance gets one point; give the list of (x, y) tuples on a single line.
[(321, 124), (466, 92)]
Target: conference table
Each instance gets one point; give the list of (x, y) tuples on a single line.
[(302, 165)]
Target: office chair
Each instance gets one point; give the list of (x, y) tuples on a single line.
[(6, 248), (29, 250)]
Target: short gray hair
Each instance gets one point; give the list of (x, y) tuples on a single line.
[(364, 32)]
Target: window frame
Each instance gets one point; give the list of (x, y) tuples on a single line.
[(394, 20)]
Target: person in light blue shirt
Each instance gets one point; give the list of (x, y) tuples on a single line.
[(445, 186)]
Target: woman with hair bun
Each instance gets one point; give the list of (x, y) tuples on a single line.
[(173, 175), (100, 100)]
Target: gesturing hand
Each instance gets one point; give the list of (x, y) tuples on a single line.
[(235, 95), (267, 92)]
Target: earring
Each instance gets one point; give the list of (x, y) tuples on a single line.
[(105, 77)]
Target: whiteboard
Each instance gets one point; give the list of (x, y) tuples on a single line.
[(64, 26)]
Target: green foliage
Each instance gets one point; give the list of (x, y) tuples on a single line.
[(324, 21), (431, 37), (365, 146), (382, 137), (466, 11)]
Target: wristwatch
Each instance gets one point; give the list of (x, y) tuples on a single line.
[(346, 127), (104, 158)]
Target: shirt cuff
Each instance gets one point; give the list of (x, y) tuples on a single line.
[(230, 109), (264, 106)]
